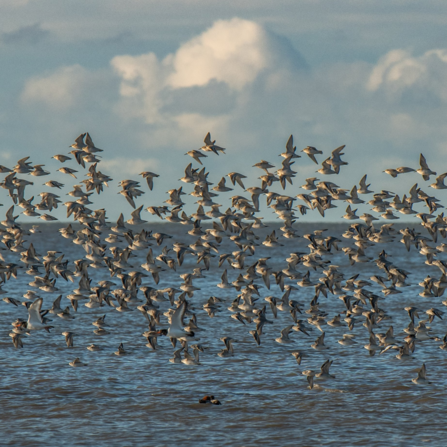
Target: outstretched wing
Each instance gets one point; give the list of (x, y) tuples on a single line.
[(34, 311), (286, 331), (80, 140), (207, 139), (289, 145), (362, 182), (338, 150), (422, 373), (88, 140), (177, 317), (325, 366)]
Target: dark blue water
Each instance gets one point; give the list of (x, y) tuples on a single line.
[(143, 399)]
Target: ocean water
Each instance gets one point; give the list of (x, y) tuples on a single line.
[(143, 399)]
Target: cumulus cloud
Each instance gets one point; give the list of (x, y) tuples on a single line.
[(68, 88), (412, 92), (398, 71), (226, 58), (59, 90), (142, 79), (233, 52)]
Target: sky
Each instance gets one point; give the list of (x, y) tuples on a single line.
[(149, 79)]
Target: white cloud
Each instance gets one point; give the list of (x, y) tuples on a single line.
[(398, 71), (232, 51), (61, 90), (411, 94), (142, 79), (381, 72)]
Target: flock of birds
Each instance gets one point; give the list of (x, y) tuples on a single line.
[(111, 247)]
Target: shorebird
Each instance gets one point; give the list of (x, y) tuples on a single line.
[(290, 150), (35, 321), (210, 146), (77, 363), (311, 152), (324, 373), (187, 255), (421, 379), (176, 329), (424, 170), (319, 343), (121, 350)]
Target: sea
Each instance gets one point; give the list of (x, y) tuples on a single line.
[(142, 399)]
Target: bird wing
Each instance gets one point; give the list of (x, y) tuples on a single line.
[(177, 317), (286, 331), (80, 140), (239, 180), (207, 139), (88, 140), (389, 332), (310, 381), (22, 161), (9, 213), (34, 311), (422, 374), (177, 353), (136, 214), (188, 355), (325, 366), (337, 151), (289, 145), (326, 163), (320, 339), (312, 157), (362, 182), (388, 348), (423, 162), (57, 302)]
